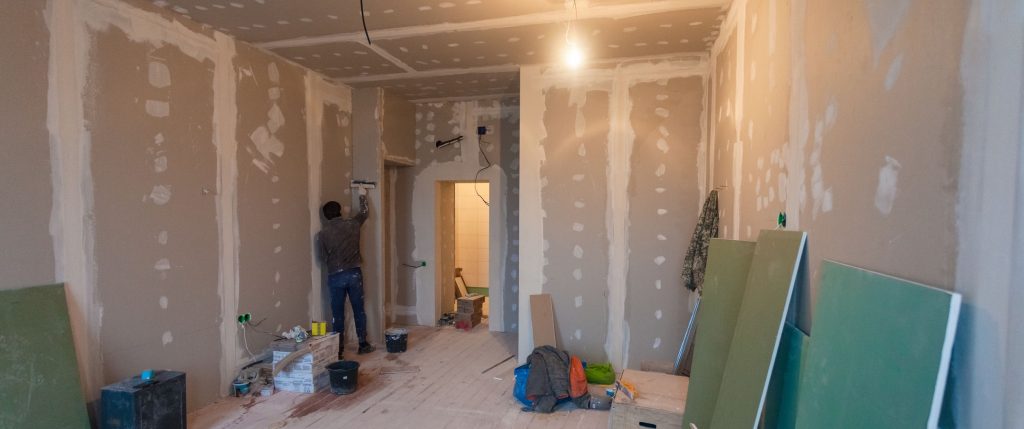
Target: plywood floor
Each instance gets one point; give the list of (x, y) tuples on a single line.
[(436, 384)]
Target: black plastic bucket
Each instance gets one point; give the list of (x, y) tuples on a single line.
[(344, 376), (396, 339)]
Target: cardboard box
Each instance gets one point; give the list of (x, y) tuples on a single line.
[(307, 373), (660, 401), (471, 304)]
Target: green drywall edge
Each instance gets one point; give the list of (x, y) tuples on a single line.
[(725, 278), (783, 389), (755, 341), (879, 352), (39, 384)]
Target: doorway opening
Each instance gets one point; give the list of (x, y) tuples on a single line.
[(463, 238)]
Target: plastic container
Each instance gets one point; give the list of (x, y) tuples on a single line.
[(396, 339), (344, 375)]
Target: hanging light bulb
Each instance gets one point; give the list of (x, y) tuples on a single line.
[(573, 55)]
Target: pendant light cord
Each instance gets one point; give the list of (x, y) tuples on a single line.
[(362, 15)]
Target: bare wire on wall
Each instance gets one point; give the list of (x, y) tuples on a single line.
[(362, 15), (476, 177)]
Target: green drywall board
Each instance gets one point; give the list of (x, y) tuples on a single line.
[(725, 279), (39, 385), (755, 341), (879, 352), (781, 401)]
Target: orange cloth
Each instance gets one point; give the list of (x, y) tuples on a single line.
[(577, 378)]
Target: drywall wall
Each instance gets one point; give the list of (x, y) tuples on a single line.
[(164, 204), (415, 200), (25, 167), (846, 117), (398, 129), (368, 164), (613, 159), (158, 277)]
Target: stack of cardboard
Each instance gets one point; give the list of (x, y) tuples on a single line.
[(470, 311)]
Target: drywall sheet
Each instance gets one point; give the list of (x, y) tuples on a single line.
[(784, 388), (39, 387), (664, 199), (725, 280), (574, 182), (543, 315), (149, 112), (879, 353), (273, 207), (758, 328), (25, 185)]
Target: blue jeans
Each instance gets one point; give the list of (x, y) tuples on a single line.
[(348, 282)]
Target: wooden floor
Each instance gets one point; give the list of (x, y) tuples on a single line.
[(437, 383)]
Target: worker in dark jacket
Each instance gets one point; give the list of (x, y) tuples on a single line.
[(339, 252)]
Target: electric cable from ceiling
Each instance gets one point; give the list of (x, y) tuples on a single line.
[(476, 177), (362, 15)]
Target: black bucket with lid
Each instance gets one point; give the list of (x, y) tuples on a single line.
[(344, 376), (396, 339)]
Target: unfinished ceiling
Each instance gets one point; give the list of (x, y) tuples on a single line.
[(424, 49)]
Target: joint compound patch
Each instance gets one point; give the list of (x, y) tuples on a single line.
[(888, 178), (160, 195)]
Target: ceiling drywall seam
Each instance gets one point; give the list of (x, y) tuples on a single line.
[(987, 375), (618, 11), (387, 56), (70, 219), (507, 68), (531, 212), (314, 164), (225, 120)]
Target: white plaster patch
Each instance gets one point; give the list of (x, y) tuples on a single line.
[(893, 74), (277, 304), (579, 204), (662, 237), (159, 74), (167, 338), (581, 150), (888, 179), (162, 265), (662, 145), (277, 249), (577, 274), (578, 301), (657, 314), (273, 73), (158, 109), (577, 251), (659, 260), (577, 177), (657, 284), (163, 302), (578, 227), (885, 17), (660, 171), (662, 112), (662, 212), (657, 342), (160, 195), (162, 237), (578, 334), (659, 190)]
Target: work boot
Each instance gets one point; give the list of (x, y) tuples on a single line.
[(366, 348)]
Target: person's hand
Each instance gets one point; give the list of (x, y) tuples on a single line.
[(362, 193)]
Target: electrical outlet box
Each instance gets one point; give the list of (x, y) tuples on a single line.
[(481, 131)]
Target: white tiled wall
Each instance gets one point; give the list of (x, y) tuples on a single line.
[(472, 232)]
